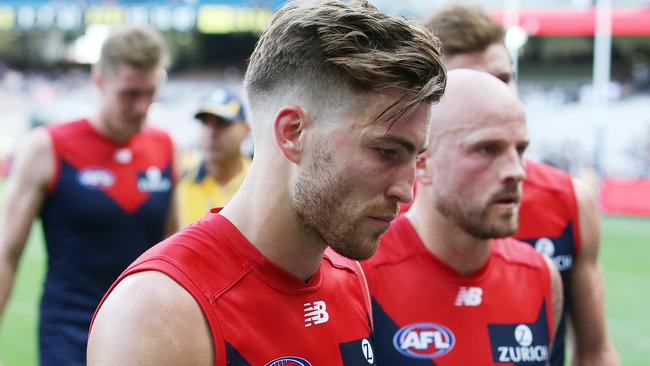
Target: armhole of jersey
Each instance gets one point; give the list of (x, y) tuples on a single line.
[(575, 217), (54, 180), (178, 276), (366, 296)]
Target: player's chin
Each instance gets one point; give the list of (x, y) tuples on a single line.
[(360, 249)]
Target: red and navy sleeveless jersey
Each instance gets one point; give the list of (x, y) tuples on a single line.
[(106, 204), (258, 313), (548, 220), (426, 313)]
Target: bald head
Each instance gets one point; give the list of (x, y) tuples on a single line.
[(473, 99), (473, 171)]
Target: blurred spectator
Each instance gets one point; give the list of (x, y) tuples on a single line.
[(223, 167)]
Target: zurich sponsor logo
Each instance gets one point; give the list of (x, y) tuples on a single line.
[(547, 247), (96, 178), (526, 351), (424, 340), (289, 361)]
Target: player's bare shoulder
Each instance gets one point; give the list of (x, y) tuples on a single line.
[(34, 160), (589, 217), (149, 319)]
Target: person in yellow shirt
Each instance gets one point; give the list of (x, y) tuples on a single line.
[(223, 166)]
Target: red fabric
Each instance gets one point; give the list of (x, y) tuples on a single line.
[(68, 137), (548, 204), (413, 286), (254, 305), (569, 22), (625, 196)]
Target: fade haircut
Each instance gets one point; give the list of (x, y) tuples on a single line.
[(324, 50), (464, 29), (139, 47)]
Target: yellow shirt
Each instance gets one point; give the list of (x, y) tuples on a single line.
[(198, 192)]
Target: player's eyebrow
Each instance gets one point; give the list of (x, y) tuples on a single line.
[(406, 144)]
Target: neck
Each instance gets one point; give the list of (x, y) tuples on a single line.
[(446, 240), (223, 171), (101, 125), (266, 218)]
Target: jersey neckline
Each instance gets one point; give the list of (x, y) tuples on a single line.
[(261, 267)]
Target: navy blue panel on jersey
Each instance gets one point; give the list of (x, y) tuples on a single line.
[(359, 352), (383, 333), (521, 344), (562, 252), (90, 241)]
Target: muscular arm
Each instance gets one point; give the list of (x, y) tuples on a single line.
[(557, 294), (172, 225), (32, 169), (149, 319), (593, 344)]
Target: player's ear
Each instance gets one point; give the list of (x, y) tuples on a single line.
[(289, 129), (423, 171), (97, 77)]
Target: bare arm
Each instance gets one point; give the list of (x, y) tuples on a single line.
[(149, 319), (557, 294), (593, 344), (173, 216), (32, 169)]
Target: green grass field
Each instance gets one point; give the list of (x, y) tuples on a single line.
[(625, 257)]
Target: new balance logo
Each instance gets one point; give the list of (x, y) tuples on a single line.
[(469, 296), (316, 313)]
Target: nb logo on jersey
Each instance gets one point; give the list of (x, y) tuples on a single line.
[(154, 181), (96, 178), (316, 313), (469, 296)]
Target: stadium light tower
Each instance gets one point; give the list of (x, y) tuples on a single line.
[(601, 75), (516, 37)]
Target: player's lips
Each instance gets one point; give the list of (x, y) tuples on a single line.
[(511, 198), (385, 218)]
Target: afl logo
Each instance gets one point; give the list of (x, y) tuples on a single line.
[(95, 178), (424, 340), (289, 361)]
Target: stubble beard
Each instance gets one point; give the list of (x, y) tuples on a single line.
[(477, 221), (321, 203)]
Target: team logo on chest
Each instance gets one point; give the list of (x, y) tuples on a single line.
[(424, 340), (315, 313), (96, 178), (289, 361), (153, 181), (469, 296)]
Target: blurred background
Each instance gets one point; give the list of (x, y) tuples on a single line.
[(584, 76)]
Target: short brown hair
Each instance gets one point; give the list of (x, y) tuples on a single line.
[(464, 28), (139, 47), (325, 46)]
